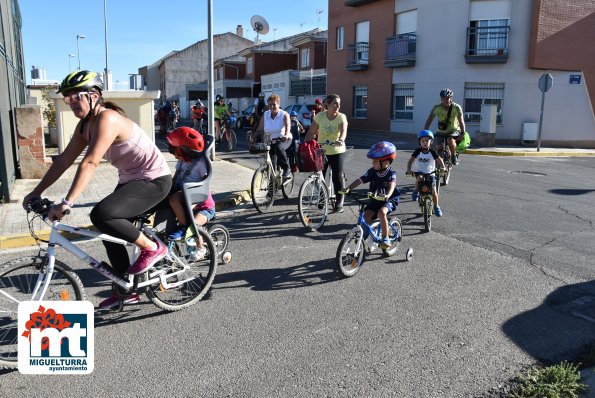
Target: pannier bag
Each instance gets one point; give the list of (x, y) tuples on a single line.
[(311, 156)]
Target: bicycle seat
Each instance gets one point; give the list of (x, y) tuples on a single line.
[(196, 192)]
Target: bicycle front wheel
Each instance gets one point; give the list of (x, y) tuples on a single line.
[(262, 188), (428, 214), (350, 254), (191, 280), (395, 232), (313, 203), (17, 281), (230, 140)]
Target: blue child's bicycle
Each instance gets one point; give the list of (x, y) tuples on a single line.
[(364, 238)]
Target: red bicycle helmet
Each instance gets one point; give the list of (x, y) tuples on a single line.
[(318, 101), (383, 150), (183, 139)]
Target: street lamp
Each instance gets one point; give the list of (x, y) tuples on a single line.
[(70, 56), (78, 54)]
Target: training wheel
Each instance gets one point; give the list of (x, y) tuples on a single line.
[(409, 254), (226, 257)]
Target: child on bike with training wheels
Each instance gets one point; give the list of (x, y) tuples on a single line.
[(187, 146), (383, 183), (423, 161)]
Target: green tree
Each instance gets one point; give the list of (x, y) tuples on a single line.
[(49, 109)]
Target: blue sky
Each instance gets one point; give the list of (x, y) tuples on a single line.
[(141, 32)]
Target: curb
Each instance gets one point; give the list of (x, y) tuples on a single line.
[(528, 154), (23, 240)]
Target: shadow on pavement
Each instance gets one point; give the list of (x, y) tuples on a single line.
[(561, 191), (557, 330)]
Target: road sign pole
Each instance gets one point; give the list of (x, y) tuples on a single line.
[(540, 121)]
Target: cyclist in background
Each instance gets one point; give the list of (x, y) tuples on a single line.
[(317, 107), (383, 183), (297, 132), (220, 112), (198, 112), (258, 110), (451, 125), (423, 161)]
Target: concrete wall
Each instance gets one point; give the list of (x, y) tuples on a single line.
[(138, 106)]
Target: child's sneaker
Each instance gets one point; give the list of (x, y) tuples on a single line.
[(385, 244), (147, 259), (414, 196), (178, 234), (438, 211)]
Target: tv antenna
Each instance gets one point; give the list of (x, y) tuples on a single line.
[(302, 26), (260, 25), (319, 11)]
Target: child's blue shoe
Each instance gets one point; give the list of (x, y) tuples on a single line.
[(414, 196), (438, 212), (178, 234), (385, 244)]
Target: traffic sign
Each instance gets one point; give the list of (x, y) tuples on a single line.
[(546, 81)]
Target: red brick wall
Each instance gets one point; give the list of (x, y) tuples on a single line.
[(563, 37), (377, 78)]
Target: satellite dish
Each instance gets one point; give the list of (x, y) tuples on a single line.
[(260, 25)]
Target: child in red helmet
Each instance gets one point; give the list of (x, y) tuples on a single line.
[(383, 183), (187, 146)]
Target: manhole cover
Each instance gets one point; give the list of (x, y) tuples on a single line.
[(533, 173)]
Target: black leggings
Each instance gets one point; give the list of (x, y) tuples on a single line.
[(112, 214), (337, 163)]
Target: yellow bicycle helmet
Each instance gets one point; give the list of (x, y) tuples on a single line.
[(79, 81)]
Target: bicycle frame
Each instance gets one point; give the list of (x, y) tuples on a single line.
[(58, 239)]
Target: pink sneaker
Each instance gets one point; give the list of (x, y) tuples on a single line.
[(147, 259), (114, 301)]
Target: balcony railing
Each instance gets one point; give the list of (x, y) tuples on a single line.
[(357, 56), (400, 50), (487, 44)]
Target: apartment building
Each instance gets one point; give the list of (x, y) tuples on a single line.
[(389, 59)]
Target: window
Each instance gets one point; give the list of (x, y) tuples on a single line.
[(362, 39), (403, 101), (340, 35), (249, 65), (477, 94), (305, 57), (360, 102), (488, 36), (221, 76)]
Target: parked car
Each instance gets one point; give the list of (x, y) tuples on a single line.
[(304, 112), (243, 120)]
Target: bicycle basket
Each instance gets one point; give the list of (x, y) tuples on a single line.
[(258, 147)]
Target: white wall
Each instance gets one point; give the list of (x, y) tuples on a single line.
[(568, 114)]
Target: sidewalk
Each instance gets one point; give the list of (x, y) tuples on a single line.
[(230, 186)]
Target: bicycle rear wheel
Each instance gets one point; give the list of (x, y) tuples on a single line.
[(262, 188), (313, 203), (395, 232), (17, 281), (427, 214), (197, 276), (350, 254), (445, 153)]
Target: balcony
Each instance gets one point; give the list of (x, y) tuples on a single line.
[(357, 3), (357, 56), (400, 50), (487, 44)]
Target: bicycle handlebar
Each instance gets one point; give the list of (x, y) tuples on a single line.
[(359, 196)]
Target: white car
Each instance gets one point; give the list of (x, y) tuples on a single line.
[(304, 112)]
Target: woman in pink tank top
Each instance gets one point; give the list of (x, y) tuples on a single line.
[(144, 177)]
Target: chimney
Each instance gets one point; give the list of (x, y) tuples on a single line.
[(240, 31)]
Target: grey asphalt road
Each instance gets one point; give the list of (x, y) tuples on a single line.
[(490, 290)]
